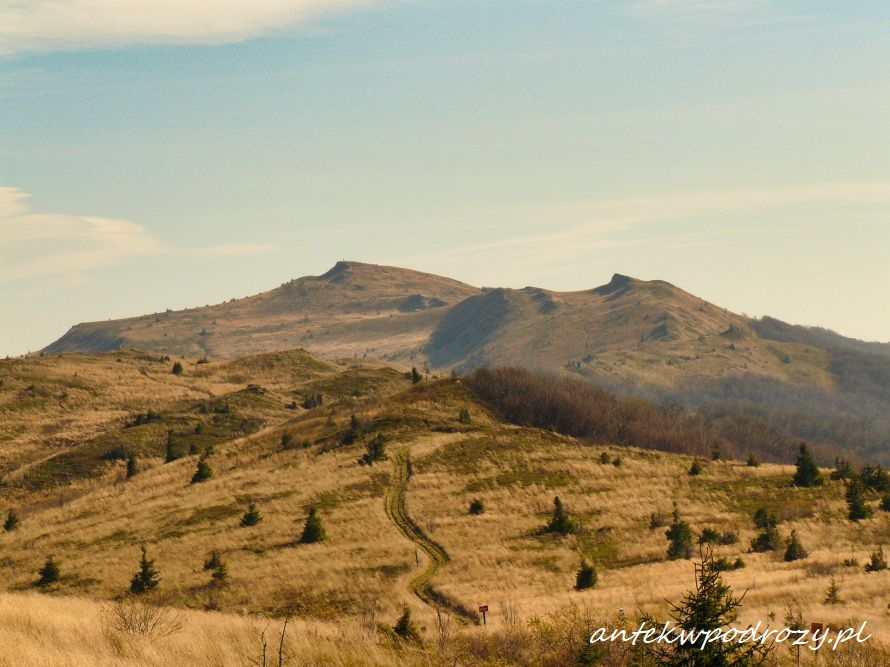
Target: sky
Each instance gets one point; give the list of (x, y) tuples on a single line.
[(158, 154)]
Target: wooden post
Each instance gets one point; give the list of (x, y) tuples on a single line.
[(484, 610)]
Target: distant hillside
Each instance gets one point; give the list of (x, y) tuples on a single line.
[(631, 336)]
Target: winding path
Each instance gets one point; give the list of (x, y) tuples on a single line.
[(421, 585)]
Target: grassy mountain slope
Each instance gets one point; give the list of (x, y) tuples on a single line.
[(94, 520)]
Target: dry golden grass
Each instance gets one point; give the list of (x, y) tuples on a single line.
[(95, 529)]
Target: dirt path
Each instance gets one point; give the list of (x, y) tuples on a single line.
[(421, 585)]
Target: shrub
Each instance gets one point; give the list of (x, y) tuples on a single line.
[(767, 540), (477, 506), (842, 470), (312, 401), (12, 521), (146, 578), (695, 468), (716, 454), (375, 450), (287, 441), (807, 474), (680, 537), (251, 517), (708, 536), (177, 368), (724, 564), (203, 471), (560, 521), (219, 574), (313, 530), (794, 549), (752, 461), (658, 520), (586, 576), (138, 619), (877, 562), (415, 376), (49, 573), (616, 461), (764, 519), (885, 502), (463, 416), (605, 459), (118, 452), (875, 478)]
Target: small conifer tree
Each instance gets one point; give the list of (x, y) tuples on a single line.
[(477, 506), (405, 628), (695, 468), (807, 473), (251, 517), (177, 368), (885, 503), (560, 521), (764, 519), (146, 579), (832, 595), (709, 607), (586, 577), (679, 535), (463, 416), (617, 461), (171, 453), (203, 471), (213, 560), (12, 521), (842, 469), (605, 459), (219, 574), (415, 376), (313, 530), (132, 466), (877, 562), (857, 509), (752, 461), (794, 549), (49, 573), (375, 450)]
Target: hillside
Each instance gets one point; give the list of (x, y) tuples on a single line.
[(247, 416), (635, 337)]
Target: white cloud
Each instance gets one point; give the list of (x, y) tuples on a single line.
[(69, 247), (44, 25)]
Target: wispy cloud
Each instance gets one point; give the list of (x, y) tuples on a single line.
[(44, 25), (707, 13), (70, 247)]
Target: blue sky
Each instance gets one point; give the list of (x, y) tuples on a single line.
[(160, 154)]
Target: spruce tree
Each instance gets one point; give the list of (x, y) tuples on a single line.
[(132, 466), (213, 560), (752, 462), (313, 530), (477, 506), (709, 607), (177, 368), (807, 473), (146, 579), (842, 469), (375, 450), (878, 562), (680, 537), (605, 459), (794, 549), (586, 576), (856, 506), (764, 519), (832, 595), (885, 503), (49, 573), (219, 574), (12, 521), (767, 540), (203, 471), (251, 517), (695, 468), (404, 627), (560, 522), (415, 376), (171, 453)]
